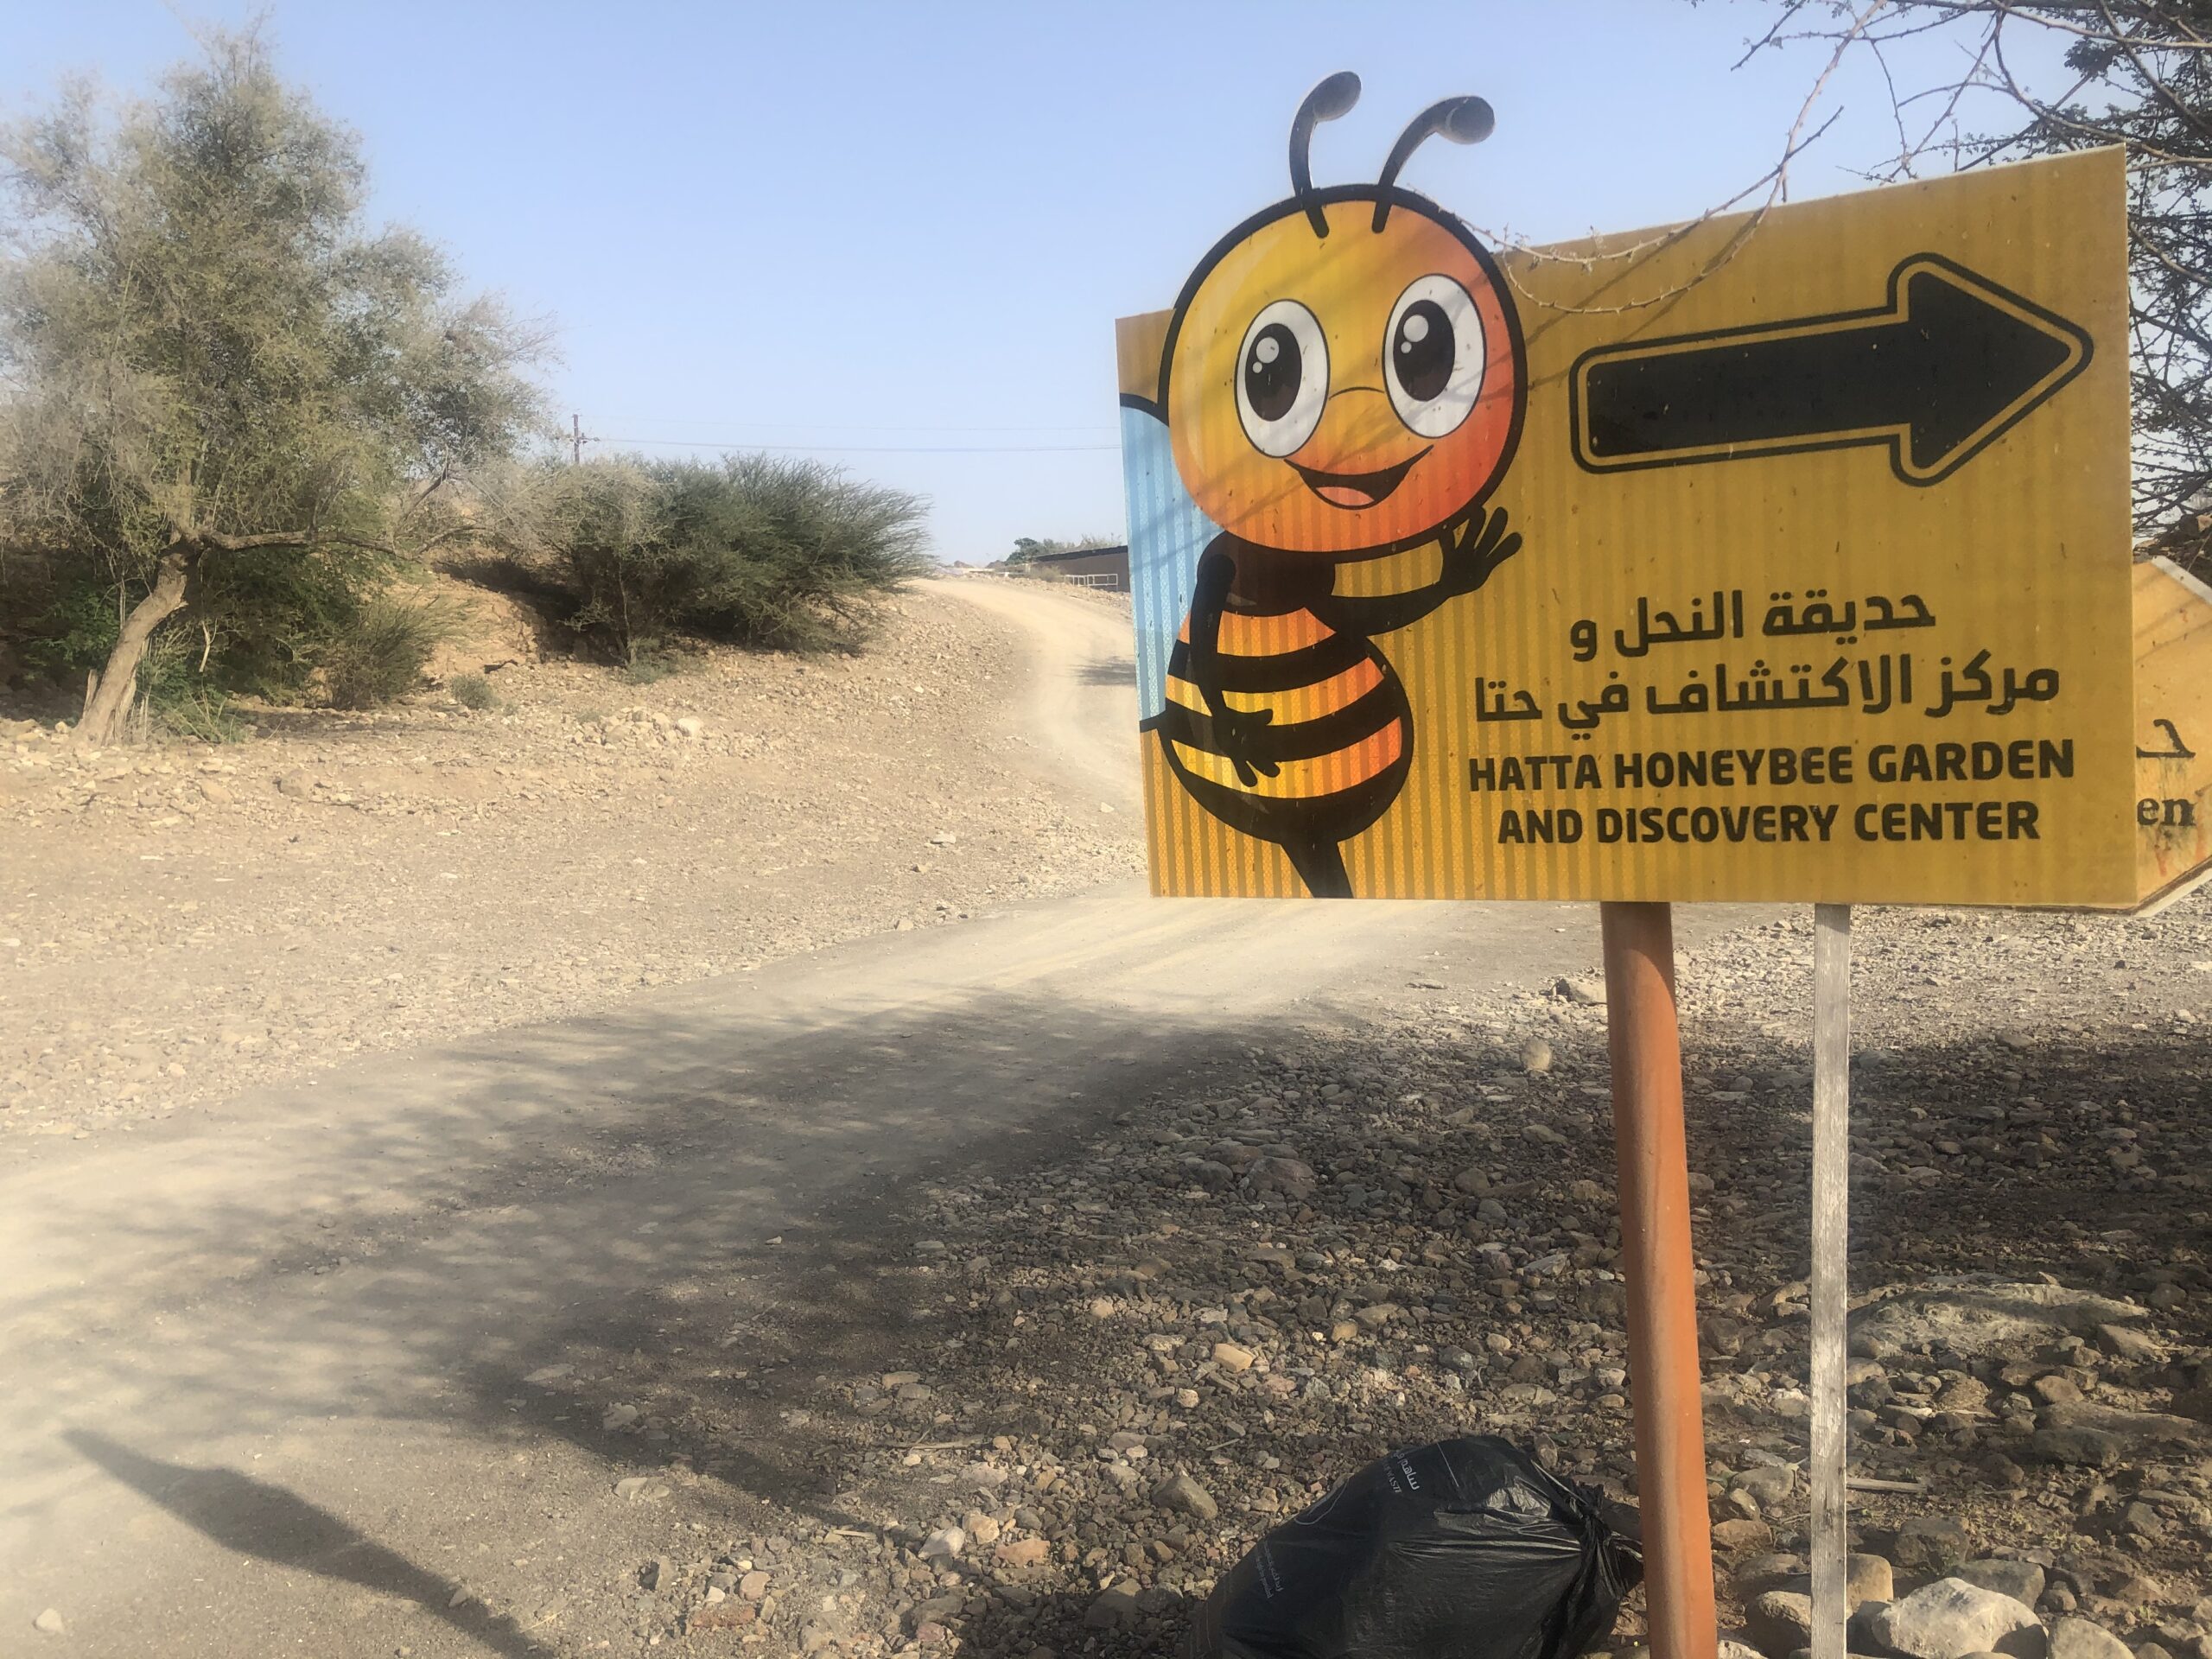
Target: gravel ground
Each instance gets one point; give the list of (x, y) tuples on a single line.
[(1110, 1373), (1040, 1402), (183, 923)]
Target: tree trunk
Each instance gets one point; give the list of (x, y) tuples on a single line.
[(109, 703)]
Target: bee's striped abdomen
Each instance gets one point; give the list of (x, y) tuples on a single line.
[(1340, 734)]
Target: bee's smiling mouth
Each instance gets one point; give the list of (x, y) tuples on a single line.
[(1352, 491)]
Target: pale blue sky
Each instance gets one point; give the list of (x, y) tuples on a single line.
[(876, 227)]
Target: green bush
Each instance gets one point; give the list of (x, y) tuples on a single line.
[(180, 675), (473, 691), (381, 655), (757, 550), (176, 697), (263, 623), (200, 713)]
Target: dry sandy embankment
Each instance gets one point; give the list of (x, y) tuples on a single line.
[(178, 924)]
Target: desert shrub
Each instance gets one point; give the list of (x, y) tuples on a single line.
[(381, 654), (174, 694), (265, 624), (758, 550), (201, 712), (473, 691), (261, 623)]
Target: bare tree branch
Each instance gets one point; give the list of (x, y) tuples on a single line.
[(2138, 74)]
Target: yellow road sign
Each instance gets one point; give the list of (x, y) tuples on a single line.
[(2173, 725), (1784, 559)]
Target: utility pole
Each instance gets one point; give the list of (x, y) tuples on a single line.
[(575, 440)]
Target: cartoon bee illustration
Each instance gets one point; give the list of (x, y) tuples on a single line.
[(1343, 379)]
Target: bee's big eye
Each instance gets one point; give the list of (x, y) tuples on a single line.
[(1282, 378), (1432, 355)]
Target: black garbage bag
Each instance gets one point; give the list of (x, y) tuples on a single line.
[(1466, 1549)]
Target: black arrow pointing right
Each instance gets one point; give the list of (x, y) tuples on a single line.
[(1936, 374)]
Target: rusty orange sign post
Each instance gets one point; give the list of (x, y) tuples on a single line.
[(1654, 1205)]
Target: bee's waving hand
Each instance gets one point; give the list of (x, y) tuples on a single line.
[(1472, 551), (1482, 544)]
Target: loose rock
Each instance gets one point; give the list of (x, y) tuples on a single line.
[(2080, 1638), (1181, 1493), (1951, 1618), (2022, 1580)]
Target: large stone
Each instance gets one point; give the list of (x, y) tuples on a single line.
[(1181, 1493), (1290, 1177), (2125, 1342), (1868, 1581), (1770, 1487), (1951, 1618), (2079, 1638), (1779, 1622), (2000, 1471), (1866, 1577), (1932, 1544), (1115, 1609), (1964, 1394), (1980, 1318), (980, 1529), (2134, 1431), (936, 1609), (2083, 1448), (2022, 1580), (1742, 1532), (1769, 1571)]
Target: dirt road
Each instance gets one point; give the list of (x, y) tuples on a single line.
[(268, 1363), (1080, 704)]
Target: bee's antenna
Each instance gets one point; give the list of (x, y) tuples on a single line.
[(1332, 97), (1463, 120)]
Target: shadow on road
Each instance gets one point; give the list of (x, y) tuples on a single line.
[(260, 1519), (709, 1213)]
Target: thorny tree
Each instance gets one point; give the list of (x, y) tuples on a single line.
[(204, 351), (2138, 73)]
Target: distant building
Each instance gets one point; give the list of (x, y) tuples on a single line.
[(1093, 567)]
